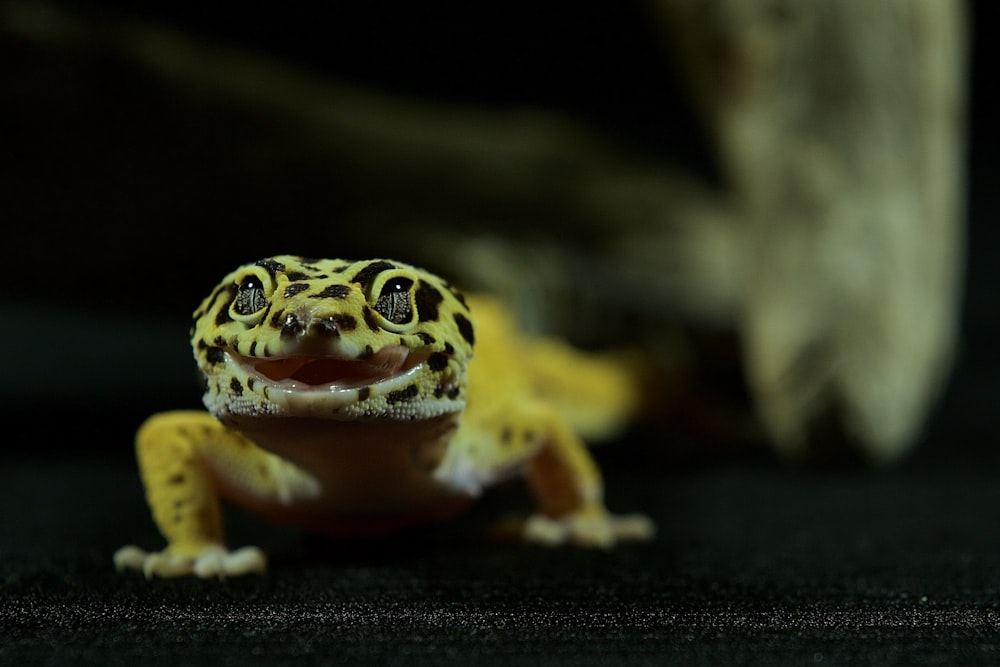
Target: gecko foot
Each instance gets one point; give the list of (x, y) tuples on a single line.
[(213, 562), (596, 528)]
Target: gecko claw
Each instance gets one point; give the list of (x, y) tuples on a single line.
[(213, 562), (588, 529)]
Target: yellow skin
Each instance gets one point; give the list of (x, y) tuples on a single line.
[(343, 397)]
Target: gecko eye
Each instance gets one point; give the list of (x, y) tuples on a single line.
[(394, 302), (250, 296)]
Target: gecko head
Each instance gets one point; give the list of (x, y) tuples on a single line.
[(288, 336)]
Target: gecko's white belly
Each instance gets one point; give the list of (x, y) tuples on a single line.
[(365, 473)]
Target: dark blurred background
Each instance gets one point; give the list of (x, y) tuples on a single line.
[(128, 192), (128, 195)]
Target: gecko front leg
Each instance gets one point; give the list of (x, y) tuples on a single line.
[(563, 477), (188, 461)]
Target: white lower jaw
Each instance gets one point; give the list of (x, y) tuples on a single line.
[(263, 397), (294, 396)]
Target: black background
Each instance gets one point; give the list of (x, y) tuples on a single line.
[(755, 563)]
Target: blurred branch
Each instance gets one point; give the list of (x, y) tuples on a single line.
[(841, 129)]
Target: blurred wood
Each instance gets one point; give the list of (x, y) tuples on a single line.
[(840, 128)]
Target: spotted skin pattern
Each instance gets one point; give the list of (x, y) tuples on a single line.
[(343, 397)]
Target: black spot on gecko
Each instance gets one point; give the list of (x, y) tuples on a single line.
[(214, 355), (267, 311), (465, 328), (458, 297), (401, 395), (250, 384), (370, 319), (367, 353), (345, 322), (364, 393), (437, 361), (228, 287), (366, 275), (295, 288), (297, 275), (237, 388), (222, 317), (428, 298), (271, 266), (253, 349), (453, 393), (176, 480), (215, 297), (449, 348), (439, 391), (426, 338), (332, 292), (277, 318)]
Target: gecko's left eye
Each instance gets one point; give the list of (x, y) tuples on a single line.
[(394, 302)]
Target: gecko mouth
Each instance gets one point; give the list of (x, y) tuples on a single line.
[(325, 372)]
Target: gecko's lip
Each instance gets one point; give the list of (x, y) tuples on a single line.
[(331, 373)]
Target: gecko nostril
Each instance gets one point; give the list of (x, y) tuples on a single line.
[(326, 327), (292, 327)]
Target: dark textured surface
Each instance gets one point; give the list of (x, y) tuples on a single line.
[(756, 567), (755, 564)]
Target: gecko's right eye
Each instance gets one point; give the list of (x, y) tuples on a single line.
[(251, 296), (394, 300)]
